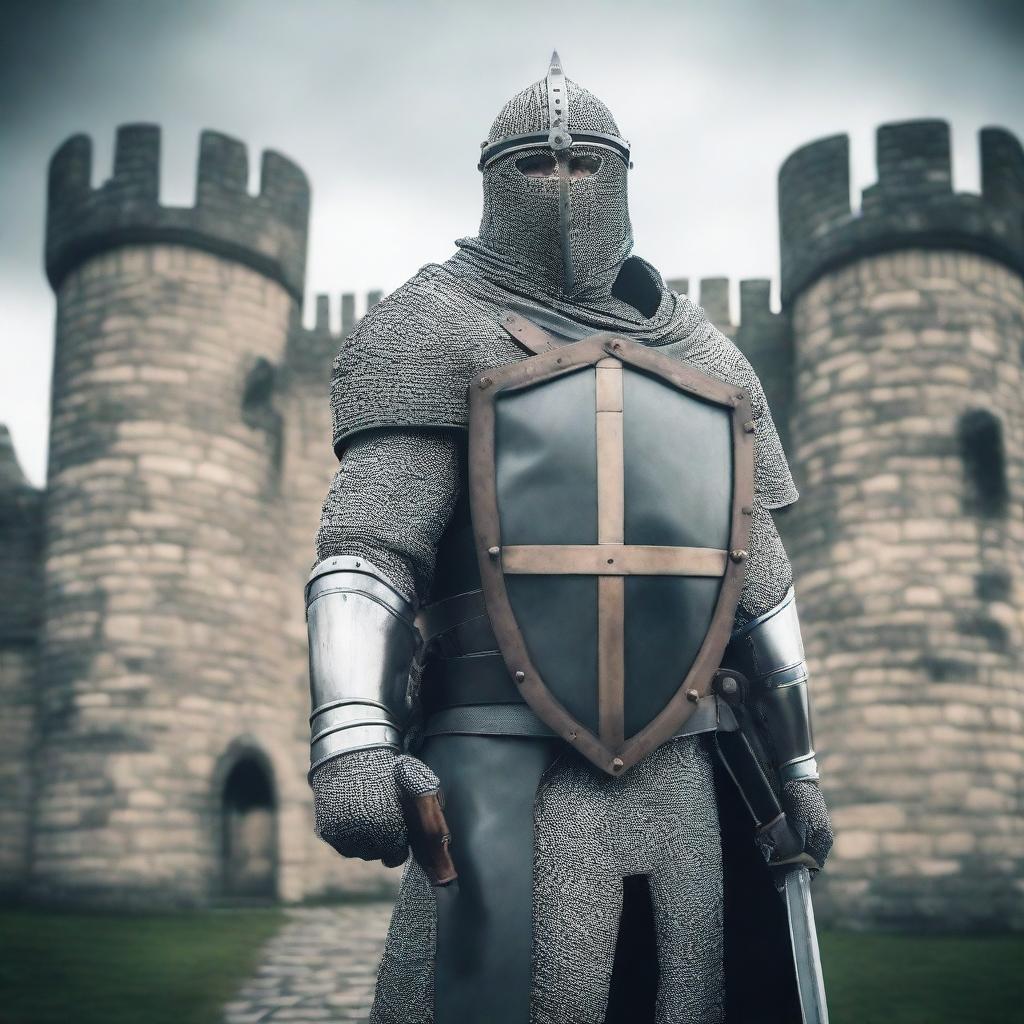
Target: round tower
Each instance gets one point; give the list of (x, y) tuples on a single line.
[(170, 729), (908, 444)]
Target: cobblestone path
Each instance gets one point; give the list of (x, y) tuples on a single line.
[(321, 966)]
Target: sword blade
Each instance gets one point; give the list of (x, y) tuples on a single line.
[(804, 940)]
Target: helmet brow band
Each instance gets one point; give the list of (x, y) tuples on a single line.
[(533, 140)]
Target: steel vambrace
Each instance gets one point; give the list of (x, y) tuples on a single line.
[(362, 643), (770, 652)]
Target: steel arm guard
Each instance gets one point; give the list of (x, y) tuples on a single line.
[(362, 642), (770, 652)]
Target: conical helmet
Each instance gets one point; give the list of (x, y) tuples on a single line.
[(554, 175)]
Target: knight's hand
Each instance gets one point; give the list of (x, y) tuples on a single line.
[(804, 804), (358, 802)]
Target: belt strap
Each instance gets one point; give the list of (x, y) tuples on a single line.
[(441, 616), (472, 679), (480, 687)]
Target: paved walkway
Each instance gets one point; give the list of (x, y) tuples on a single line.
[(320, 967)]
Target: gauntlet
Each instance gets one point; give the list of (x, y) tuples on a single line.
[(769, 651), (362, 643)]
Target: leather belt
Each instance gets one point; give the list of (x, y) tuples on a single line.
[(479, 680), (472, 679)]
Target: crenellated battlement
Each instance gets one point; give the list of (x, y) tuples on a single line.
[(712, 294), (267, 231), (912, 204)]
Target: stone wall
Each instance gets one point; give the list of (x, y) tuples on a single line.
[(21, 507), (908, 446)]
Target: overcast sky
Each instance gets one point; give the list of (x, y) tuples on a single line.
[(384, 104)]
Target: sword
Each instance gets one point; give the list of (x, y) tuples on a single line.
[(743, 755), (810, 983)]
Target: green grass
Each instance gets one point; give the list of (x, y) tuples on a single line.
[(62, 968), (914, 979)]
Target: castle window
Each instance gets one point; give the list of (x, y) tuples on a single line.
[(981, 447), (259, 412)]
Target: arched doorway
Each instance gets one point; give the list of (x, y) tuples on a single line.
[(249, 830)]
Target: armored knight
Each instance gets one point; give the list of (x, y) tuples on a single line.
[(549, 585)]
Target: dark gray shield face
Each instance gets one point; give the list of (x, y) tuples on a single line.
[(611, 488)]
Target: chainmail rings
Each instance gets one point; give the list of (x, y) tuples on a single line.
[(805, 808), (357, 806), (520, 222), (358, 802), (389, 503)]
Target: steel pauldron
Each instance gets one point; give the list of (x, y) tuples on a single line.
[(770, 652), (362, 642)]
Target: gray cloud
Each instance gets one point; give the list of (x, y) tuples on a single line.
[(384, 104)]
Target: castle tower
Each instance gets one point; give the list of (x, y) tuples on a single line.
[(908, 445), (170, 729), (20, 586)]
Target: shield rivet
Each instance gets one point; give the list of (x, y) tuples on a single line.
[(738, 554), (520, 676), (494, 552), (486, 382), (617, 764), (693, 696), (729, 685)]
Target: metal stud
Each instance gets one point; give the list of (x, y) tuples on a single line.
[(494, 552), (729, 685), (617, 764), (748, 427), (486, 382), (693, 696), (747, 510), (520, 676), (738, 555)]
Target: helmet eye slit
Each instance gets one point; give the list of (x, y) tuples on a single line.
[(537, 165), (544, 165), (584, 165)]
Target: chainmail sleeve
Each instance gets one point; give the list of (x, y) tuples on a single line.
[(768, 572), (390, 501)]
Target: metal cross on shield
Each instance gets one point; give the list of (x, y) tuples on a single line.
[(611, 489)]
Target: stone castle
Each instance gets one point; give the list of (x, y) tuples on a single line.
[(152, 643)]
